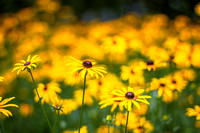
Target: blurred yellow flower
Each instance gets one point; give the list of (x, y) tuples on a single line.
[(194, 112), (3, 105), (103, 86), (1, 79), (78, 97), (70, 105), (143, 126), (197, 9), (133, 73), (121, 119), (152, 65), (28, 64), (127, 97), (82, 130), (47, 91), (177, 82), (163, 88), (86, 66), (104, 129), (25, 109)]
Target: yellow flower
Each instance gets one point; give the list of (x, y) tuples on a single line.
[(126, 97), (2, 106), (132, 73), (143, 126), (82, 130), (57, 103), (103, 86), (194, 112), (46, 92), (70, 105), (78, 97), (86, 66), (197, 9), (152, 65), (28, 64), (163, 88), (114, 103), (104, 129), (1, 79)]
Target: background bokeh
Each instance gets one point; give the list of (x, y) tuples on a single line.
[(114, 33)]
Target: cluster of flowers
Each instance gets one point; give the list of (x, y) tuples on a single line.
[(133, 48)]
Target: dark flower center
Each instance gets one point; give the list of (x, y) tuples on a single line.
[(100, 83), (57, 106), (140, 127), (129, 95), (45, 88), (174, 81), (87, 64), (132, 72), (150, 62), (27, 63), (171, 57), (162, 85), (114, 42)]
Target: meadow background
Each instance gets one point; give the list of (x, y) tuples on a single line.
[(114, 33)]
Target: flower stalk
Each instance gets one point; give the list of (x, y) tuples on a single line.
[(82, 102), (35, 86), (126, 122)]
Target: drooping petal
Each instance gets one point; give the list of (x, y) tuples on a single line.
[(6, 100)]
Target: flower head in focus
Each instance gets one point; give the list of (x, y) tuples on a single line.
[(86, 66), (194, 112), (3, 105), (127, 97), (27, 64), (57, 103)]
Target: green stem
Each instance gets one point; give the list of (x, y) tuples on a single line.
[(82, 102), (55, 122), (40, 100), (2, 127), (126, 121), (108, 128), (58, 121)]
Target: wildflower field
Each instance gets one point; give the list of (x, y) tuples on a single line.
[(133, 74)]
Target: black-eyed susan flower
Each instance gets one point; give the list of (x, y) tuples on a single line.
[(143, 126), (1, 79), (27, 64), (47, 91), (57, 103), (3, 105), (163, 87), (127, 97), (86, 66), (133, 73), (152, 65), (194, 112)]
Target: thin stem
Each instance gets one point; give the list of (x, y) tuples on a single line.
[(82, 102), (126, 121), (58, 121), (40, 100), (2, 128), (55, 122)]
